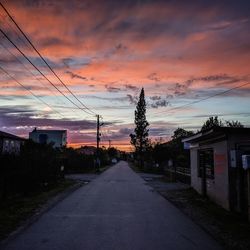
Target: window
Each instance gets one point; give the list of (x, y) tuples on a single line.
[(206, 163), (6, 146), (43, 138)]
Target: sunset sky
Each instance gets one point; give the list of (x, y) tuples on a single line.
[(106, 51)]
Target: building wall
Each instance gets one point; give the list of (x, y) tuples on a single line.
[(195, 180), (57, 138), (10, 146), (217, 188), (237, 139)]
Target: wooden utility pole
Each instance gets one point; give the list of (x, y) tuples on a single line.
[(109, 143)]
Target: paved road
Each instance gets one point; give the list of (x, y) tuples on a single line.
[(114, 211)]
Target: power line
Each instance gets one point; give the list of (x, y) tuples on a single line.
[(18, 59), (203, 99), (37, 97), (6, 36), (45, 60)]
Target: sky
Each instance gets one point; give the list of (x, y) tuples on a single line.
[(106, 51)]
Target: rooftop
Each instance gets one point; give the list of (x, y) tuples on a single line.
[(10, 136), (48, 131), (216, 132)]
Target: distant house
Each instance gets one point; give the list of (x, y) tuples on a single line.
[(217, 166), (57, 137), (86, 150), (10, 144)]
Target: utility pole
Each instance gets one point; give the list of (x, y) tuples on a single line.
[(98, 138), (97, 142), (109, 143)]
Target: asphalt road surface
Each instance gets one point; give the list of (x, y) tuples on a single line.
[(117, 210)]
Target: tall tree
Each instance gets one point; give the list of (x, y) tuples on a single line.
[(140, 138)]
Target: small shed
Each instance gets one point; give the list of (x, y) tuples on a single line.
[(216, 166)]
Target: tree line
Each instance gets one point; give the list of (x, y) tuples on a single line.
[(39, 166), (146, 154)]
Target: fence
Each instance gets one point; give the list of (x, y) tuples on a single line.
[(178, 174)]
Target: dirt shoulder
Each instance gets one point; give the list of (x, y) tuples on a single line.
[(231, 230)]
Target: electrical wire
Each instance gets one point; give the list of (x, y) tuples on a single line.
[(27, 89), (203, 99), (7, 37), (55, 74), (19, 60)]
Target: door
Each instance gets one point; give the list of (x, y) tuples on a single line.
[(206, 167)]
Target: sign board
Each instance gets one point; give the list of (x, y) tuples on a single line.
[(187, 145), (246, 161)]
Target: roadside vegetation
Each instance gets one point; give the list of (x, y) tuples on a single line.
[(35, 175), (17, 208), (155, 157)]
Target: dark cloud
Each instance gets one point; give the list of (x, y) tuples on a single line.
[(155, 97), (121, 134), (169, 96), (240, 92), (110, 88), (180, 17), (73, 75), (7, 60), (125, 131), (153, 77), (131, 87), (155, 101), (161, 131), (160, 103), (111, 99), (221, 79), (132, 99), (216, 114), (14, 97), (16, 117), (180, 89), (52, 41), (121, 47), (67, 61)]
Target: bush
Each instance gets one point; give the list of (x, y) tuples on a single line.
[(36, 166)]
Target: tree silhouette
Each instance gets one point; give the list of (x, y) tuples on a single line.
[(140, 138), (216, 122), (234, 124), (212, 122)]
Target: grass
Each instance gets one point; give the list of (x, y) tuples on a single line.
[(231, 230), (17, 208)]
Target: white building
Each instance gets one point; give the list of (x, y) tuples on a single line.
[(217, 167), (57, 137)]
